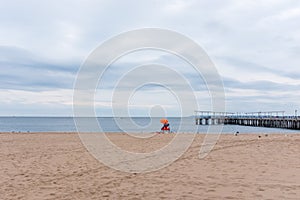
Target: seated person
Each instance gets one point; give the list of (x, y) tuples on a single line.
[(166, 127)]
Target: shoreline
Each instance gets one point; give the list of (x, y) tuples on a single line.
[(114, 132)]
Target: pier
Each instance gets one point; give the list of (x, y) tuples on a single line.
[(272, 119)]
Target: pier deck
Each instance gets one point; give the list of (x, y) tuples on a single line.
[(273, 119)]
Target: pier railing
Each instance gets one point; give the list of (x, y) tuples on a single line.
[(274, 119)]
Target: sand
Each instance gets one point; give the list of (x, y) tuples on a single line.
[(57, 166)]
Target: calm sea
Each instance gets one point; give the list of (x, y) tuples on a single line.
[(108, 124)]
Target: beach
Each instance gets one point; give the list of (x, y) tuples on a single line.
[(58, 166)]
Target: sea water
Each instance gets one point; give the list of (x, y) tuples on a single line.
[(118, 124)]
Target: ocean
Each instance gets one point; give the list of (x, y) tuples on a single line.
[(109, 124)]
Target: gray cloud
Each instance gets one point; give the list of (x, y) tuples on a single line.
[(260, 85), (43, 43), (249, 66), (22, 70)]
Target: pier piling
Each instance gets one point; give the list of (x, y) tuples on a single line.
[(272, 119)]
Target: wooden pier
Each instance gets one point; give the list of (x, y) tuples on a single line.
[(272, 119)]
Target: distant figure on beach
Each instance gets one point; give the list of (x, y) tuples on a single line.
[(166, 125)]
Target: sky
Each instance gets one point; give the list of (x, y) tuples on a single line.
[(255, 46)]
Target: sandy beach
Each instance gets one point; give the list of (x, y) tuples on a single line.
[(58, 166)]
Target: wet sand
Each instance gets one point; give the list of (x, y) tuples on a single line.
[(58, 166)]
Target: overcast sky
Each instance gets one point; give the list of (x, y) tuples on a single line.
[(255, 46)]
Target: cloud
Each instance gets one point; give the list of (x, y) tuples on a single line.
[(22, 70), (255, 46), (258, 71)]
